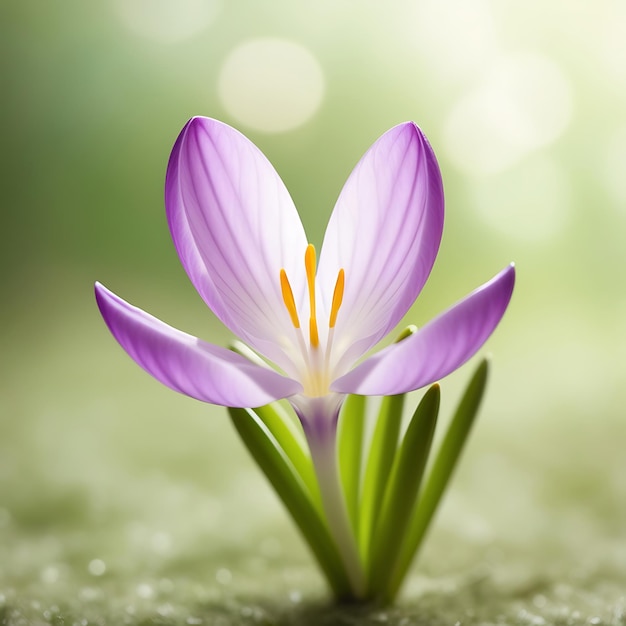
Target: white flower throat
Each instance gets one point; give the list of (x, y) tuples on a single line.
[(316, 378)]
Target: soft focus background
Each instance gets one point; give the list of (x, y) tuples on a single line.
[(124, 503)]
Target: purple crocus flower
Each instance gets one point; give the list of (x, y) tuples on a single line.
[(243, 246)]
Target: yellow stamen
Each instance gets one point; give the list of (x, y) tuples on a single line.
[(337, 298), (290, 303), (309, 264)]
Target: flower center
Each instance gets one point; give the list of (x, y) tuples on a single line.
[(317, 377)]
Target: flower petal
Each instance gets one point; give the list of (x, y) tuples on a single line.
[(384, 232), (436, 350), (235, 227), (187, 364)]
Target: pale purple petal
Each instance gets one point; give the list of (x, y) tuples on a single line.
[(235, 227), (187, 364), (436, 350), (384, 232)]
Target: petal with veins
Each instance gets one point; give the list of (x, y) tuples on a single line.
[(438, 348), (384, 232), (235, 227), (187, 364)]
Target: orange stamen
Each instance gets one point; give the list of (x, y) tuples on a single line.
[(313, 334), (309, 264), (290, 303), (337, 298)]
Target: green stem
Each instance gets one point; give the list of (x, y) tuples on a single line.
[(290, 488), (288, 485), (324, 455)]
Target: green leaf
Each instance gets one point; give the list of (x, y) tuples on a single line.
[(379, 462), (439, 476), (291, 489), (350, 446), (291, 440), (402, 490)]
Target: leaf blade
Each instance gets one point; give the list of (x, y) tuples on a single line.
[(439, 476), (350, 447), (377, 469), (401, 493)]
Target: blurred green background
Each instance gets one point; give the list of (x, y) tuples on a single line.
[(123, 502)]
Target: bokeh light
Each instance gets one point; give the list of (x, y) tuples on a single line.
[(523, 102), (271, 85), (459, 37)]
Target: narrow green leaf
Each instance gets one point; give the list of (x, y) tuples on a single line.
[(439, 476), (350, 446), (402, 490), (379, 462), (293, 444), (291, 489)]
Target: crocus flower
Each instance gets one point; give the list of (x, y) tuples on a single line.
[(240, 239)]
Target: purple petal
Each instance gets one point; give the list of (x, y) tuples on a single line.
[(187, 364), (436, 350), (384, 232), (235, 227)]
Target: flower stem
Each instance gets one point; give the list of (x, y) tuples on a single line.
[(324, 456), (289, 485)]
